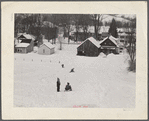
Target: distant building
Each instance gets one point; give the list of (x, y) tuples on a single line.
[(104, 35), (124, 38), (89, 47), (46, 49), (109, 45)]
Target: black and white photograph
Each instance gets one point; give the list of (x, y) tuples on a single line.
[(75, 60)]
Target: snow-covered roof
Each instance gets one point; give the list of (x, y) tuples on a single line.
[(48, 44), (123, 34), (28, 36), (17, 41), (91, 39), (22, 45), (113, 39)]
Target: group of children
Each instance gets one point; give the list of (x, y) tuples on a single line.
[(67, 88)]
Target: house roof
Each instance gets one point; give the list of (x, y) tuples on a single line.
[(22, 45), (49, 45), (113, 39), (27, 36), (91, 39)]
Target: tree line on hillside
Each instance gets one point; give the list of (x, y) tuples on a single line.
[(34, 24)]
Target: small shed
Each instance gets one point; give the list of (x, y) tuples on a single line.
[(22, 48), (26, 43), (46, 49), (89, 47), (109, 45), (25, 46)]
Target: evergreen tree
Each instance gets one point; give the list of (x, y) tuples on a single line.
[(113, 29)]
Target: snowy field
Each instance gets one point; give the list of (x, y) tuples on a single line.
[(98, 82)]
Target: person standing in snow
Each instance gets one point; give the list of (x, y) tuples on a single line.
[(68, 87), (58, 84)]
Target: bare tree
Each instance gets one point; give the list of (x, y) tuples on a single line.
[(97, 21), (68, 24), (76, 19), (132, 45), (85, 22)]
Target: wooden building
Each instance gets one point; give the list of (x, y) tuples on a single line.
[(25, 46), (109, 45), (89, 47), (26, 37), (46, 49), (26, 43)]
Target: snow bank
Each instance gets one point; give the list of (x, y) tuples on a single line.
[(102, 54), (111, 55)]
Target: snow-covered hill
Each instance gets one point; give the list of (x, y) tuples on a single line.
[(100, 82)]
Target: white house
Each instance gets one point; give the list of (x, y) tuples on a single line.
[(124, 38), (46, 49)]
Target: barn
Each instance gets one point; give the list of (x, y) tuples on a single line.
[(46, 49), (89, 47), (109, 45)]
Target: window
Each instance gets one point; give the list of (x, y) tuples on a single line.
[(19, 50), (43, 50), (122, 37), (121, 40)]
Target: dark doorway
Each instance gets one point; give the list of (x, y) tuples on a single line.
[(81, 53)]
